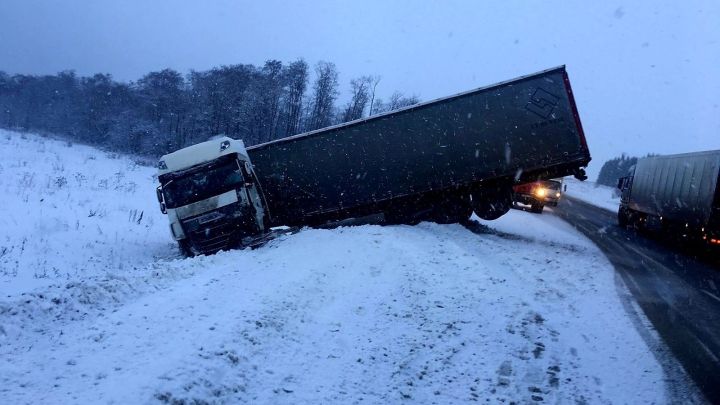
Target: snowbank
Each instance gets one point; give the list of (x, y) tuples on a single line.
[(593, 193), (522, 309)]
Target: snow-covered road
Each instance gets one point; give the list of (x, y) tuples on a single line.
[(521, 309)]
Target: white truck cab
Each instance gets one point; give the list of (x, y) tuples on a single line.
[(211, 196)]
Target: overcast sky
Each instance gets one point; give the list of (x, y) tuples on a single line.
[(646, 73)]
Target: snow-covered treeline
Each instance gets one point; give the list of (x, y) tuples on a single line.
[(165, 111)]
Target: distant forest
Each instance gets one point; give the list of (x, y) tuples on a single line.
[(615, 168), (166, 110)]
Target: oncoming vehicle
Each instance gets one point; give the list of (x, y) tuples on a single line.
[(538, 194)]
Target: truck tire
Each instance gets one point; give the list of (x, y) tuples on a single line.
[(451, 210), (185, 248), (492, 203), (634, 219), (623, 219)]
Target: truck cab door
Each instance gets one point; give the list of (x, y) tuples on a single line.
[(253, 194), (624, 185)]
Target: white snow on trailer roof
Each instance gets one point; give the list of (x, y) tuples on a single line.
[(200, 153)]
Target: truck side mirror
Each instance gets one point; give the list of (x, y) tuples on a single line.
[(161, 200)]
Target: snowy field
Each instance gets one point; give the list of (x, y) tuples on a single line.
[(593, 193), (73, 212), (98, 307)]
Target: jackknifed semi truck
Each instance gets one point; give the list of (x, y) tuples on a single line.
[(437, 161), (678, 194)]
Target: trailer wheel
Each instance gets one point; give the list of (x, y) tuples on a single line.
[(492, 203), (633, 219), (451, 210), (537, 208), (623, 219)]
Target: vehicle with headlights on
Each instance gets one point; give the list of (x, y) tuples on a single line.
[(538, 194)]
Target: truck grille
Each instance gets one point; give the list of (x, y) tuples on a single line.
[(216, 230), (214, 236)]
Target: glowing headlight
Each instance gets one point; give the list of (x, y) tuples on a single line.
[(557, 195), (540, 192)]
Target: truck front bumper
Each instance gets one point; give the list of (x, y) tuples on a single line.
[(219, 229), (531, 199)]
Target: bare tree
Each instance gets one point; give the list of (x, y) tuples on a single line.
[(166, 110), (398, 101), (296, 75), (360, 88), (324, 94), (269, 85), (162, 94)]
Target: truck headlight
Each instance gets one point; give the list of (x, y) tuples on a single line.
[(540, 192), (557, 195)]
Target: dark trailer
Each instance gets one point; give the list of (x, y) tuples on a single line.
[(440, 159), (675, 193)]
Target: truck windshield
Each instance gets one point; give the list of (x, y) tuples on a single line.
[(201, 184), (552, 185)]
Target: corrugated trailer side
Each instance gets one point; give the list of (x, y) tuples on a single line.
[(523, 130), (681, 188)]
